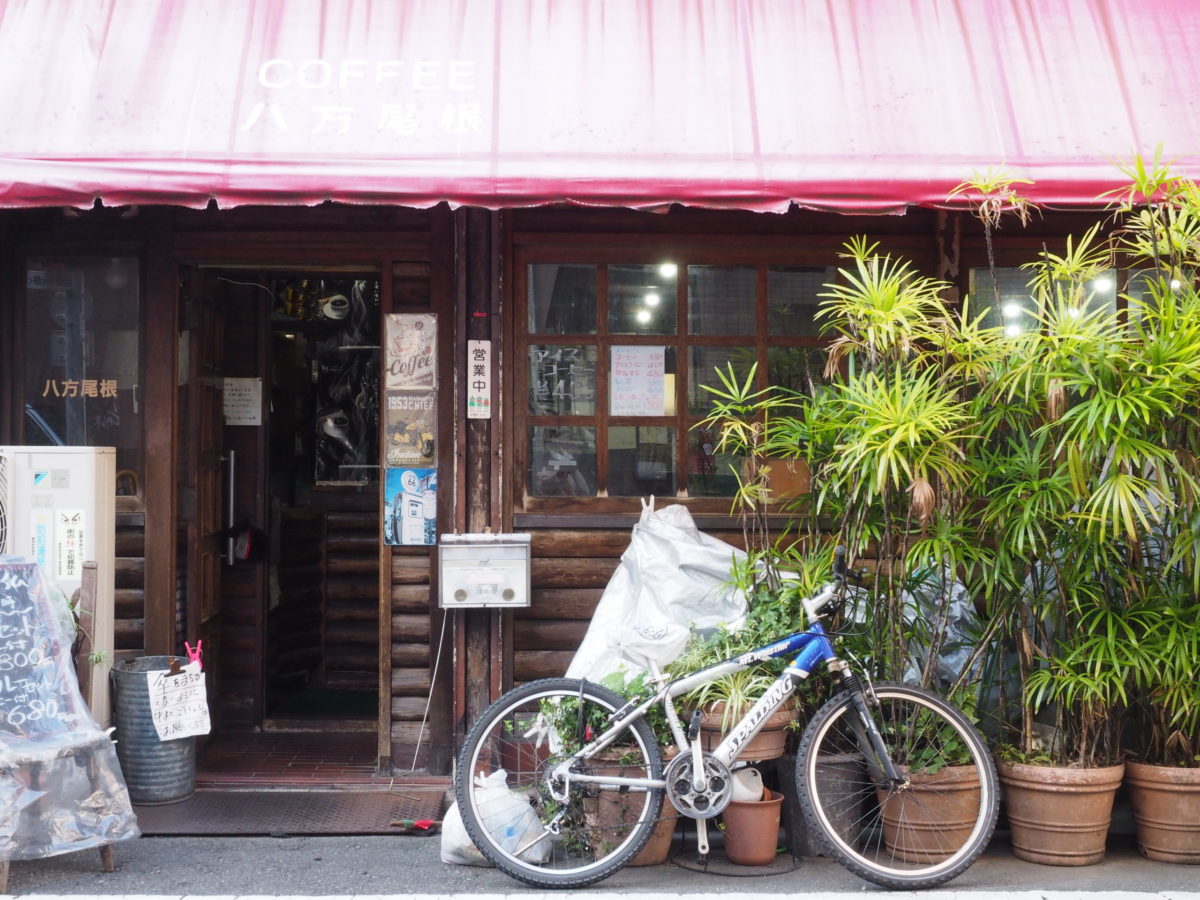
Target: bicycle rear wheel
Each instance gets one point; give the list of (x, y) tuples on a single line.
[(529, 817), (918, 832)]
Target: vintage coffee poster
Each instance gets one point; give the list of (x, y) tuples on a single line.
[(411, 352)]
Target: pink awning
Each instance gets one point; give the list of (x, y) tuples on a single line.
[(851, 105)]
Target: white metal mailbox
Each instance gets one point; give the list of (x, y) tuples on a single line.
[(483, 570)]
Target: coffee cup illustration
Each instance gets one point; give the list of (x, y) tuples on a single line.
[(336, 307)]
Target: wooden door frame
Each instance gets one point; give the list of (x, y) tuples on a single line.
[(319, 249)]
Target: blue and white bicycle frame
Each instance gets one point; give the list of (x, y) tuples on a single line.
[(811, 648)]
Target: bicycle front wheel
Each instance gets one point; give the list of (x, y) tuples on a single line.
[(916, 831), (518, 796)]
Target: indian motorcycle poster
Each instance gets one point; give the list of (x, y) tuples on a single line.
[(410, 424)]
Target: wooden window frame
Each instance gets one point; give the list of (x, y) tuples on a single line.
[(705, 250)]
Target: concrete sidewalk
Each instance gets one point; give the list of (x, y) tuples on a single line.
[(411, 867)]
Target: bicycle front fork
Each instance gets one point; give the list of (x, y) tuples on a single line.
[(866, 731)]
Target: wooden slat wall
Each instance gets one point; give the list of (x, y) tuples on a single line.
[(351, 637), (410, 643), (129, 587), (295, 622)]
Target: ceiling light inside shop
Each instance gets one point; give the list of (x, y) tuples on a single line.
[(643, 316), (653, 299), (668, 270)]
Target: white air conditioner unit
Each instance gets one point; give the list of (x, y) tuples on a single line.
[(57, 508)]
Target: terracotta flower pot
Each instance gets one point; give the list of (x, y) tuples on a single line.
[(613, 813), (1059, 816), (752, 830), (659, 846), (1166, 809), (769, 743), (937, 810)]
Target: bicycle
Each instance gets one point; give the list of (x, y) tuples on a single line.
[(561, 781)]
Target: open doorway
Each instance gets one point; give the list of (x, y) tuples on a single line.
[(321, 650), (283, 532)]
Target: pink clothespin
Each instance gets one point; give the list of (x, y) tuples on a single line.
[(194, 655)]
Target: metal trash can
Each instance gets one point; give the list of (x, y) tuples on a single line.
[(155, 771)]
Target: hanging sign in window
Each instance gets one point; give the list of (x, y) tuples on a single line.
[(636, 382)]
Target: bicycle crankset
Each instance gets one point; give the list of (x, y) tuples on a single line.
[(693, 803)]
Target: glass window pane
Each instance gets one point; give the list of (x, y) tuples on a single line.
[(721, 300), (702, 365), (641, 461), (1144, 285), (641, 299), (799, 369), (792, 298), (1101, 291), (562, 461), (562, 380), (710, 474), (1017, 307), (562, 298), (1014, 306), (80, 357)]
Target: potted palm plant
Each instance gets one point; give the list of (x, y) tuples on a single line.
[(1163, 780), (1163, 773), (1087, 490)]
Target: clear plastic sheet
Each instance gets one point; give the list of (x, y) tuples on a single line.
[(61, 787)]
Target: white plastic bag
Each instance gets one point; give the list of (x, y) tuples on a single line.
[(671, 577), (506, 814), (457, 847)]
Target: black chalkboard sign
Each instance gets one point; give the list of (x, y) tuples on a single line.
[(39, 695)]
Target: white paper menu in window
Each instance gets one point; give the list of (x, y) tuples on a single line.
[(635, 381)]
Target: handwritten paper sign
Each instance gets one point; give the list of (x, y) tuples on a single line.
[(178, 703), (37, 698), (636, 381), (242, 400)]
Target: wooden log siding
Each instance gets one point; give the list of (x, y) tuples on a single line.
[(351, 636), (295, 624), (568, 573), (129, 587), (411, 670)]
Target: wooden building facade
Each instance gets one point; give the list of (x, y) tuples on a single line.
[(323, 623), (208, 218)]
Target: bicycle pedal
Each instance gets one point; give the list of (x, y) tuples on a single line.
[(694, 726)]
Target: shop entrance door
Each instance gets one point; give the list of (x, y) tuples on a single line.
[(204, 500), (290, 623)]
